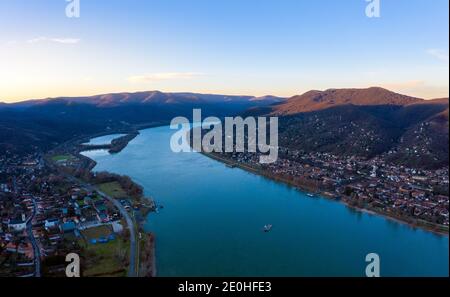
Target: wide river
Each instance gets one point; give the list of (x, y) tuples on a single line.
[(212, 220)]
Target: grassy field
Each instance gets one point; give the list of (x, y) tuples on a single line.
[(97, 232), (112, 189), (109, 259), (59, 158)]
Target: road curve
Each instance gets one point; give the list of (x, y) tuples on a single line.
[(130, 223), (37, 252), (131, 227)]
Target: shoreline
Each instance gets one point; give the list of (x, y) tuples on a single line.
[(425, 226), (76, 147), (90, 165), (419, 224), (150, 236)]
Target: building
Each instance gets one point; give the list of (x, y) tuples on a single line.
[(17, 225)]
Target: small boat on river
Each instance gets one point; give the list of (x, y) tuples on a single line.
[(267, 228)]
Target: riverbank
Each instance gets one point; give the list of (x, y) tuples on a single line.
[(236, 205), (147, 267), (163, 226), (116, 145), (141, 206), (115, 186), (430, 227)]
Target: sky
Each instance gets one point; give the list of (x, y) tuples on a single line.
[(235, 47)]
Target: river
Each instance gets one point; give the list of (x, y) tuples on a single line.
[(213, 216)]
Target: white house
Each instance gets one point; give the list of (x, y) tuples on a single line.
[(17, 225), (117, 227), (51, 223)]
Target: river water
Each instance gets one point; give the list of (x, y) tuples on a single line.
[(213, 216)]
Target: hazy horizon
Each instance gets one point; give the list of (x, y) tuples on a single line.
[(203, 93), (253, 48)]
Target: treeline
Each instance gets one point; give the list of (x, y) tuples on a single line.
[(126, 183), (147, 256), (117, 145), (131, 188)]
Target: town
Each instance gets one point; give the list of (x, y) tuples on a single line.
[(417, 197), (46, 214)]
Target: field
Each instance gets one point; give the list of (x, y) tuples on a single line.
[(104, 259), (97, 232), (109, 259), (61, 158), (112, 189)]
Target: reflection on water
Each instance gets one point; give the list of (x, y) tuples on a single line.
[(104, 139), (213, 216)]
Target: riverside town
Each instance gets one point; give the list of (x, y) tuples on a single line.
[(213, 140), (226, 147)]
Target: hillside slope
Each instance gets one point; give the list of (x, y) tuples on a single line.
[(32, 124), (365, 123), (319, 100)]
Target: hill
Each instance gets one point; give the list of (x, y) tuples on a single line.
[(146, 98), (366, 123), (32, 124), (319, 100), (347, 122)]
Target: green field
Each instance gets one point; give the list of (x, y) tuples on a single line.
[(112, 189), (109, 259), (61, 158), (97, 232)]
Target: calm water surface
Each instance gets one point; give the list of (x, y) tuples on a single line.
[(104, 139), (213, 216)]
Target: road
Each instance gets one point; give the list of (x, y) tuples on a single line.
[(37, 251), (132, 269), (132, 228), (130, 223)]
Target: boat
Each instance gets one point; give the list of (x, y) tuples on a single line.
[(310, 195), (267, 228)]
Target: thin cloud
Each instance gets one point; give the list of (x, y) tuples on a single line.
[(11, 42), (163, 76), (439, 54), (418, 88), (55, 40), (404, 85)]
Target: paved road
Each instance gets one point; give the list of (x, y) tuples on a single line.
[(132, 228), (130, 223), (37, 252), (132, 272)]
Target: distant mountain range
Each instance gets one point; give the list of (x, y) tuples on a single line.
[(44, 123), (360, 122), (140, 107), (146, 99)]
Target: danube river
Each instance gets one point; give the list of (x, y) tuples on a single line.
[(213, 216)]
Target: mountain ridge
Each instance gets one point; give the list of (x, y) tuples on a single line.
[(145, 97), (44, 123), (317, 100), (353, 122), (365, 123)]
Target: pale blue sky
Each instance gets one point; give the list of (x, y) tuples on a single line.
[(254, 47)]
